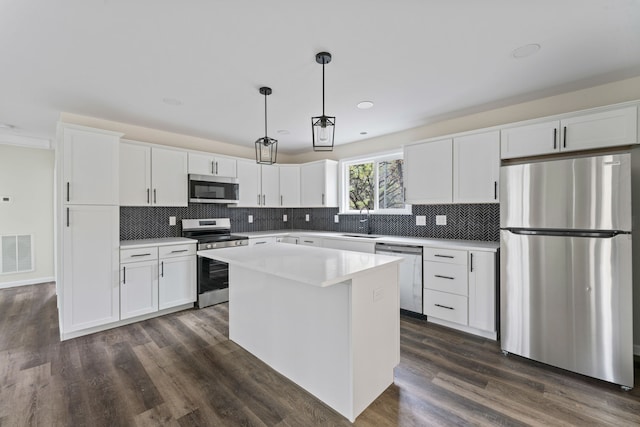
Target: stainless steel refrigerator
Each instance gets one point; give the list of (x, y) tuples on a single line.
[(566, 266)]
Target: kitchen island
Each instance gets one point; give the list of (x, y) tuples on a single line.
[(327, 319)]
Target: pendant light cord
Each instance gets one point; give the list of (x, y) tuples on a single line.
[(265, 116), (323, 88)]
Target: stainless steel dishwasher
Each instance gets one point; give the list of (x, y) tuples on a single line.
[(410, 274)]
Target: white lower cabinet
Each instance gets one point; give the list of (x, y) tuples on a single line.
[(460, 290), (138, 288), (349, 245), (177, 281), (154, 278), (309, 241)]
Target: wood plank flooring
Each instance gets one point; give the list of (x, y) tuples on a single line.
[(181, 370)]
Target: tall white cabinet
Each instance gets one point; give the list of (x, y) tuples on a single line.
[(88, 224)]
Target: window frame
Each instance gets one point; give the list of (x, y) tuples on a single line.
[(344, 183)]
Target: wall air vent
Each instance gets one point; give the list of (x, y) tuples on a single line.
[(16, 253)]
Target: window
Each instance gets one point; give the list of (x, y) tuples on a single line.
[(374, 183)]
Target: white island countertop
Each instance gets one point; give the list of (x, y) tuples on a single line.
[(311, 265)]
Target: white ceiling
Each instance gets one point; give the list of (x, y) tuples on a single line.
[(417, 60)]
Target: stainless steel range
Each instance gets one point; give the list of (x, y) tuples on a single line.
[(213, 276)]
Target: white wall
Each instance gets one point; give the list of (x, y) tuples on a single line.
[(26, 174), (597, 96)]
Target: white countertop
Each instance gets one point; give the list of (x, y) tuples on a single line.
[(311, 265), (165, 241), (474, 245)]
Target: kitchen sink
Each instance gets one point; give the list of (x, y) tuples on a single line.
[(361, 236)]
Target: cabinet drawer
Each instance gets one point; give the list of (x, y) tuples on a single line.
[(139, 254), (451, 256), (177, 250), (445, 306), (451, 278), (310, 241)]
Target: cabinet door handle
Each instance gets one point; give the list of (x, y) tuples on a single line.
[(67, 217), (322, 199), (308, 241), (181, 250), (124, 275), (258, 200), (495, 190), (259, 243), (444, 277), (162, 269), (404, 194), (136, 255), (67, 191), (281, 200), (216, 168), (155, 197), (148, 196), (471, 263), (564, 137), (444, 306), (213, 171), (264, 200), (443, 256), (555, 138)]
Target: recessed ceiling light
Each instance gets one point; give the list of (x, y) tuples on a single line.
[(172, 101), (363, 133), (526, 50), (283, 132), (364, 105), (6, 126)]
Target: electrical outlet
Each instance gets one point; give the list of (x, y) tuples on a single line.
[(421, 220), (172, 220), (441, 220), (284, 218), (250, 219), (336, 219), (307, 218)]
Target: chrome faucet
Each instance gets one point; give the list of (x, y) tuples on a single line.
[(366, 220)]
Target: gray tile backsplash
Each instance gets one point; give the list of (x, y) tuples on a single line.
[(464, 222)]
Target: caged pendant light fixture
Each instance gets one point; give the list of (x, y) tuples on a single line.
[(266, 148), (323, 127)]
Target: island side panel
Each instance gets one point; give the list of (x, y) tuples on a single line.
[(376, 333), (300, 330)]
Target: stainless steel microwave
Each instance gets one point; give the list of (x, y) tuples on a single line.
[(213, 189)]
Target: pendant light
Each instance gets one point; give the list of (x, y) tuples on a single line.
[(323, 127), (266, 148)]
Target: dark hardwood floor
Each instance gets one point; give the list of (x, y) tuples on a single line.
[(181, 370)]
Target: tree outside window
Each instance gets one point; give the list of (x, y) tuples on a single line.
[(375, 184)]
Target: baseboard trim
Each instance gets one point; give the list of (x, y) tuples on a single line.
[(27, 282)]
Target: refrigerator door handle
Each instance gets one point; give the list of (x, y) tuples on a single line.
[(567, 233)]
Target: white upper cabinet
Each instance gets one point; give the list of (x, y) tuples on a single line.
[(152, 176), (289, 186), (604, 129), (319, 184), (609, 128), (135, 175), (169, 177), (429, 172), (270, 184), (90, 166), (205, 164), (249, 183), (476, 168)]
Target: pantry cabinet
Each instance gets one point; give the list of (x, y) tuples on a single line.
[(152, 176), (89, 166)]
